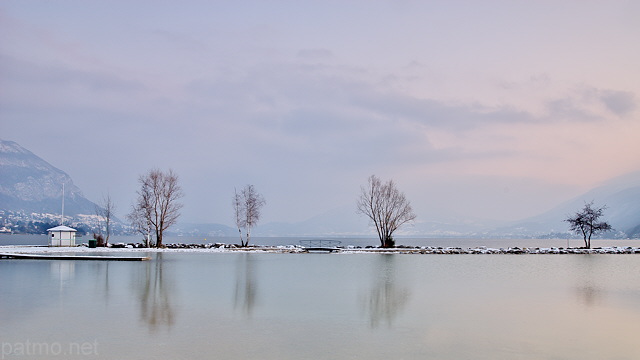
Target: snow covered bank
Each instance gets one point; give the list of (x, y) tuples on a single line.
[(490, 251), (229, 248), (119, 248)]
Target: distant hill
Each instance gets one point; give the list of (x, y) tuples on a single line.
[(342, 221), (621, 195), (345, 222), (210, 230), (30, 184)]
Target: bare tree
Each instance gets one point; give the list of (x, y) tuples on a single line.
[(238, 210), (386, 207), (157, 206), (139, 220), (585, 222), (105, 213), (247, 206)]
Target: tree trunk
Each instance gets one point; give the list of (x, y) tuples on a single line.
[(158, 239), (388, 242)]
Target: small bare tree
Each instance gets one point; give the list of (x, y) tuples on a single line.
[(386, 207), (157, 206), (105, 213), (247, 205), (585, 222)]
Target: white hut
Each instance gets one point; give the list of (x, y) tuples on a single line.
[(62, 236)]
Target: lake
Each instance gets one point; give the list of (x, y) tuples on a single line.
[(322, 306)]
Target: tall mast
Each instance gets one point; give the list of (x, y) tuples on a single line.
[(62, 218)]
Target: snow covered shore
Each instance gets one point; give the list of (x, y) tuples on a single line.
[(227, 248)]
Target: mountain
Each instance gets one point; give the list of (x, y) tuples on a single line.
[(621, 196), (30, 184), (210, 230), (342, 221), (345, 222)]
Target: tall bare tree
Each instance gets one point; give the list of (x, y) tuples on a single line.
[(105, 213), (157, 206), (386, 207), (238, 211), (585, 222), (247, 205)]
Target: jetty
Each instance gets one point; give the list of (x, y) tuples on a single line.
[(321, 245), (72, 257)]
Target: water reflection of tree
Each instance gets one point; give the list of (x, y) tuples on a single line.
[(155, 290), (246, 290), (588, 294), (100, 269), (387, 298), (587, 291)]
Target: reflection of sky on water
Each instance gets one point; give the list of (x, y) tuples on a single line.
[(25, 286), (276, 306)]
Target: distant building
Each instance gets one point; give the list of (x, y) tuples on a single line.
[(62, 236)]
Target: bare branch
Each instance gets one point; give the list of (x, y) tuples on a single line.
[(386, 207), (156, 207), (105, 212), (247, 207), (585, 222)]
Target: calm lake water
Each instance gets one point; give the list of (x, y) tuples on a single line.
[(323, 306)]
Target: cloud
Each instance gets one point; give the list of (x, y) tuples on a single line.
[(315, 54), (620, 103), (438, 114), (592, 104), (337, 117), (569, 109), (58, 85), (304, 111)]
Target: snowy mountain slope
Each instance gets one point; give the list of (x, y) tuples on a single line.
[(30, 184), (620, 195)]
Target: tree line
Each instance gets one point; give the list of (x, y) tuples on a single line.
[(157, 208)]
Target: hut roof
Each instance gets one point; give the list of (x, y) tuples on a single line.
[(61, 228)]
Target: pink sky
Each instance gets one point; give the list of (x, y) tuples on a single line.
[(497, 109)]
